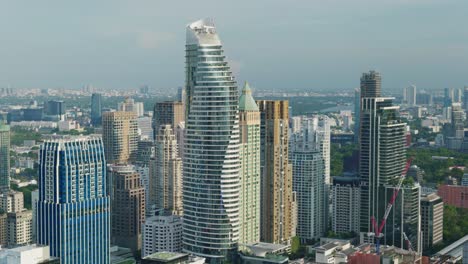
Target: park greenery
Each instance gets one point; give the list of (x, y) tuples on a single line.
[(26, 193), (339, 155)]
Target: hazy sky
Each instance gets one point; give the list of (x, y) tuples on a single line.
[(288, 44)]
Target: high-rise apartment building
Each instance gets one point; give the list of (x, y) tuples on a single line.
[(211, 156), (96, 109), (128, 206), (19, 230), (73, 211), (165, 187), (309, 186), (277, 198), (167, 113), (12, 201), (382, 153), (409, 95), (432, 220), (129, 105), (162, 232), (249, 124), (346, 196), (455, 139), (4, 157), (120, 136), (448, 97), (3, 229), (465, 98)]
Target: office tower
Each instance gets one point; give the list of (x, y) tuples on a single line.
[(181, 94), (309, 186), (404, 216), (465, 98), (211, 156), (162, 232), (12, 201), (455, 138), (129, 105), (346, 196), (144, 153), (448, 97), (371, 84), (145, 127), (249, 127), (19, 231), (96, 109), (165, 186), (54, 108), (423, 98), (409, 95), (3, 229), (120, 136), (73, 211), (167, 113), (128, 206), (4, 157), (357, 114), (382, 150), (276, 173), (432, 220)]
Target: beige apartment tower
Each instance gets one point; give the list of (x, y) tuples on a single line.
[(277, 214), (165, 184), (249, 127), (120, 136)]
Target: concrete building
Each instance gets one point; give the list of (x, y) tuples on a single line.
[(80, 213), (455, 138), (276, 191), (211, 156), (30, 254), (162, 232), (432, 220), (3, 230), (346, 197), (165, 186), (129, 105), (454, 195), (128, 206), (4, 157), (409, 95), (12, 201), (167, 113), (19, 230), (120, 136), (249, 124)]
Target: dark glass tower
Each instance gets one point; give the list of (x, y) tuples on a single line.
[(96, 109)]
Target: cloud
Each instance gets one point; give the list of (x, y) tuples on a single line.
[(146, 39)]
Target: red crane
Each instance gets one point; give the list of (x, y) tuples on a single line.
[(378, 230)]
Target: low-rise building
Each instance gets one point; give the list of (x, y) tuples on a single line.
[(162, 232), (454, 195), (31, 254)]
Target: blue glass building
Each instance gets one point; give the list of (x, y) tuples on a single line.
[(73, 215)]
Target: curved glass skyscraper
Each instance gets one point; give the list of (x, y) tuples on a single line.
[(211, 158)]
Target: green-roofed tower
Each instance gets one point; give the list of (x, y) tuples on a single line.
[(249, 125)]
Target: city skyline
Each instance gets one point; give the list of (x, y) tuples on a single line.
[(411, 41)]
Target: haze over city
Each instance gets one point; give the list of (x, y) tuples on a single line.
[(276, 45)]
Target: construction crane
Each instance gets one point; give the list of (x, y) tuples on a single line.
[(408, 242), (378, 229)]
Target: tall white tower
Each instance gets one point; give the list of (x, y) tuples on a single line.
[(211, 156)]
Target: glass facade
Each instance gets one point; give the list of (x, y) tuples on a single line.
[(211, 157), (73, 207), (4, 157)]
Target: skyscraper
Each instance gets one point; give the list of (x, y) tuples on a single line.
[(120, 136), (4, 157), (310, 158), (357, 114), (277, 198), (249, 123), (211, 156), (448, 97), (167, 113), (465, 98), (128, 206), (96, 109), (409, 95), (73, 211), (382, 152), (346, 196), (165, 187)]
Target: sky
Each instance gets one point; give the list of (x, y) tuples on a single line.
[(321, 45)]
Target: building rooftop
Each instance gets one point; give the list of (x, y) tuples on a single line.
[(246, 101), (202, 32), (165, 256), (260, 249)]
